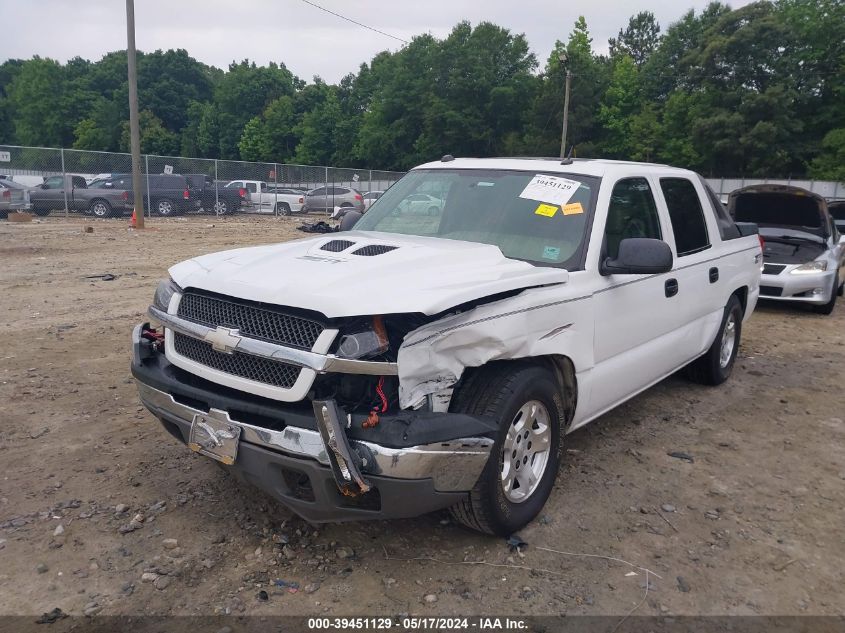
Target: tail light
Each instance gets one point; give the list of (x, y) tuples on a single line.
[(302, 201), (7, 193), (762, 242), (359, 197), (125, 196), (186, 194), (242, 193)]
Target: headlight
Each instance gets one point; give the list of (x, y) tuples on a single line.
[(818, 266), (364, 344), (165, 291)]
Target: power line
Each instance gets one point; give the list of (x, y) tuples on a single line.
[(343, 17)]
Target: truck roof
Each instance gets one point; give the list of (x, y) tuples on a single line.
[(584, 166)]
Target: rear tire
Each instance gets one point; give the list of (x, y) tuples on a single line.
[(220, 208), (518, 478), (828, 307), (166, 208), (282, 208), (716, 365), (100, 209)]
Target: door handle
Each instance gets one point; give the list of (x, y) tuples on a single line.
[(671, 287), (714, 275)]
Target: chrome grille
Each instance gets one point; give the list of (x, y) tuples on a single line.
[(270, 372), (251, 321)]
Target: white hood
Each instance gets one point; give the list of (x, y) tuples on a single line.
[(421, 274)]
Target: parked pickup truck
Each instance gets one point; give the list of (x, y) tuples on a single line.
[(214, 197), (51, 194), (430, 360), (266, 199)]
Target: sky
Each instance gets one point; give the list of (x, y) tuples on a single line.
[(308, 41)]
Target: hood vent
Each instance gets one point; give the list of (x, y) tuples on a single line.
[(335, 246), (372, 250)]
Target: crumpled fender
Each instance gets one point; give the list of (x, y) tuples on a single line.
[(537, 322)]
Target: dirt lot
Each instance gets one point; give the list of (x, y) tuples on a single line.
[(752, 526)]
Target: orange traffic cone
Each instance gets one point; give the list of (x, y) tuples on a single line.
[(133, 223)]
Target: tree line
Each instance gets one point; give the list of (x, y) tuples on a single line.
[(757, 91)]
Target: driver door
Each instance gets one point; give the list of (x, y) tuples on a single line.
[(636, 320)]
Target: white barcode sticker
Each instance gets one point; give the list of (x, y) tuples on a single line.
[(554, 189)]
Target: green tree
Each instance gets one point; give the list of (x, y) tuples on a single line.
[(830, 163), (639, 39), (620, 104), (155, 138)]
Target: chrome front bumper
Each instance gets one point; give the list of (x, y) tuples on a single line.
[(453, 466)]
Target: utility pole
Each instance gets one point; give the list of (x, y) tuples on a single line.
[(563, 59), (134, 130)]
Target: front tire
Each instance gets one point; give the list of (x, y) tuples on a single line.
[(41, 213), (100, 209), (520, 473), (716, 365)]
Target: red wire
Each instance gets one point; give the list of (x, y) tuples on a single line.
[(381, 395)]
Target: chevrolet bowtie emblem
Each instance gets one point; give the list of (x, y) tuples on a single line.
[(223, 339)]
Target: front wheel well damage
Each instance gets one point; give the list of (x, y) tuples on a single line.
[(561, 367)]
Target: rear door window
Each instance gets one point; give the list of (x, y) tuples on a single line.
[(686, 215), (250, 186), (631, 213)]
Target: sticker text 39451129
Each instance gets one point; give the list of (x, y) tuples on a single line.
[(552, 189)]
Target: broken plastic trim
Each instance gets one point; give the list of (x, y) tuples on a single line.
[(346, 473)]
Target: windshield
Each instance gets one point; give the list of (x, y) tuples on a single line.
[(534, 217)]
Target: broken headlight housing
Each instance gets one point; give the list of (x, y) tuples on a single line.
[(165, 291), (367, 343), (817, 266)]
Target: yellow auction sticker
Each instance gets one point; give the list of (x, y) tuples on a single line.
[(573, 209), (546, 210)]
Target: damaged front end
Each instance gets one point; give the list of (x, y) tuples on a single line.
[(323, 458)]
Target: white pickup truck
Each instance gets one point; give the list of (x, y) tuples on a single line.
[(431, 360), (266, 198)]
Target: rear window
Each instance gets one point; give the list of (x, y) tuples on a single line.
[(837, 210), (727, 228), (686, 215)]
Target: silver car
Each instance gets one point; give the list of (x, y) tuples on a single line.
[(13, 197), (326, 199), (803, 251)]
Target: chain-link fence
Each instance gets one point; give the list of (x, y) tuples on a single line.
[(100, 184)]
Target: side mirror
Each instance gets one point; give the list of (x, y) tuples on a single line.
[(43, 185), (842, 240), (348, 220), (639, 256)]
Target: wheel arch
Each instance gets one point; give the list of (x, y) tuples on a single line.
[(741, 293), (560, 366)]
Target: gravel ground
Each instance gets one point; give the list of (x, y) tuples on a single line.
[(102, 512)]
